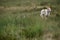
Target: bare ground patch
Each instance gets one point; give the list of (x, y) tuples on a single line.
[(21, 8)]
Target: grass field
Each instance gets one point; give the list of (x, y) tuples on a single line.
[(20, 20), (21, 2)]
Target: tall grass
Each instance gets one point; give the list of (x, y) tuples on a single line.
[(14, 26), (27, 25), (17, 26), (23, 2)]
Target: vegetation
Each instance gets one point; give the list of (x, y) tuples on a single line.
[(20, 20)]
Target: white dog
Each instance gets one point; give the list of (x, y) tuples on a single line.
[(45, 12)]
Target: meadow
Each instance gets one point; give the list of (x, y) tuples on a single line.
[(20, 20)]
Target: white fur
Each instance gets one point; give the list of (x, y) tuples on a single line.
[(45, 12)]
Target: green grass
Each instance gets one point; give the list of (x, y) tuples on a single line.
[(26, 25), (22, 2), (12, 24)]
